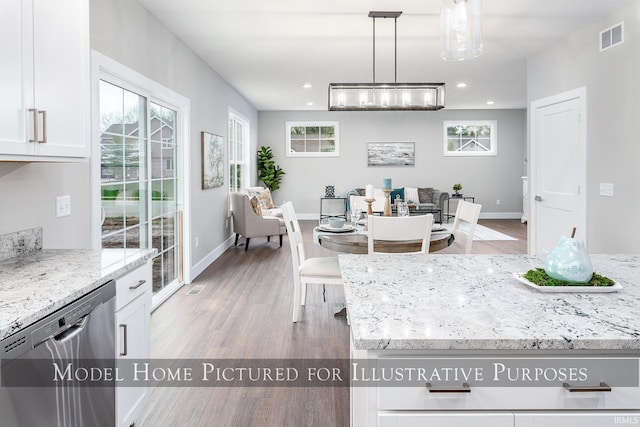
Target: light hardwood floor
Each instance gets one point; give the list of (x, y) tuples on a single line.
[(244, 311)]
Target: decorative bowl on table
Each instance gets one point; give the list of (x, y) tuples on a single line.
[(336, 222)]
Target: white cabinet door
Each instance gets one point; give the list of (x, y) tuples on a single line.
[(16, 76), (133, 341), (447, 420), (575, 419), (61, 75), (44, 79)]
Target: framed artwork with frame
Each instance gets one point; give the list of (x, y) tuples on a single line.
[(212, 160), (391, 154)]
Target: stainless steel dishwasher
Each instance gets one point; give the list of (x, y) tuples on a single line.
[(80, 335)]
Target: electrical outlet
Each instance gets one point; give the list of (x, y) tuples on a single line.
[(197, 242), (63, 206), (497, 201)]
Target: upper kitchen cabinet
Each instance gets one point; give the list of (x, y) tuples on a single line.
[(44, 80)]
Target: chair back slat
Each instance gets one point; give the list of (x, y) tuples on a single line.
[(295, 235), (467, 213), (400, 229)]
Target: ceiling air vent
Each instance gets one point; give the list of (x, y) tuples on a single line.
[(612, 37)]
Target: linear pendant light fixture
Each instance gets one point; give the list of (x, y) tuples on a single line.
[(385, 96), (461, 22)]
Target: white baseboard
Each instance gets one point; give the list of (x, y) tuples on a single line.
[(500, 215), (211, 257), (483, 215)]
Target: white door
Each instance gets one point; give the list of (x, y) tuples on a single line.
[(558, 170)]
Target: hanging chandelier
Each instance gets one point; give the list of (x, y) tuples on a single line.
[(461, 29), (385, 96)]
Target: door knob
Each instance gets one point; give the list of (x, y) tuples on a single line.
[(538, 199)]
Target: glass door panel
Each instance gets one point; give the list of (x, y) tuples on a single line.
[(123, 168), (164, 200)]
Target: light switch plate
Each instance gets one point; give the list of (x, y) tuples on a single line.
[(606, 189), (63, 206)]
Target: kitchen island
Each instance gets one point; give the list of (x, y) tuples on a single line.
[(468, 314)]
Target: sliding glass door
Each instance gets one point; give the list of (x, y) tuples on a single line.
[(139, 180)]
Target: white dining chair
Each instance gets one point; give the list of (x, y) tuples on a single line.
[(400, 228), (323, 270), (464, 224)]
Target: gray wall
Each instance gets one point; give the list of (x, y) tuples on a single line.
[(486, 178), (29, 193), (129, 34), (613, 110)]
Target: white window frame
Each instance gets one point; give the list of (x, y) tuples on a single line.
[(493, 151), (105, 68), (232, 148), (336, 136)]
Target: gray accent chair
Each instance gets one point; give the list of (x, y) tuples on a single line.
[(249, 224)]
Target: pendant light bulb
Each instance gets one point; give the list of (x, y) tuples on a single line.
[(461, 29)]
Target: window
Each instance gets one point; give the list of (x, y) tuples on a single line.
[(470, 138), (312, 139), (238, 152)]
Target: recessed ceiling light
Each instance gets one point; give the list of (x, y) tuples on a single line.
[(309, 104), (490, 102), (461, 85), (307, 85)]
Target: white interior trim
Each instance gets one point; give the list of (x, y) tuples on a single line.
[(103, 67)]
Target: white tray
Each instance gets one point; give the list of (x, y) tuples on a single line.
[(575, 289), (344, 229)]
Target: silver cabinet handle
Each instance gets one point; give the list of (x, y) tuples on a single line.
[(124, 340), (464, 389), (538, 199), (137, 285), (586, 388), (35, 124), (44, 126)]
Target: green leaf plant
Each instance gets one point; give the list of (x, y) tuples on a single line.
[(268, 172)]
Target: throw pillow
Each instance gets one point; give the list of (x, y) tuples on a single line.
[(255, 204), (264, 197), (397, 193), (411, 195), (425, 195)]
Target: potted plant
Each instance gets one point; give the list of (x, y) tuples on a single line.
[(456, 188), (268, 172)]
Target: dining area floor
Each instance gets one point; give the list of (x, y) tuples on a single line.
[(240, 308)]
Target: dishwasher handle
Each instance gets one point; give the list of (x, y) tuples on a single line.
[(71, 332)]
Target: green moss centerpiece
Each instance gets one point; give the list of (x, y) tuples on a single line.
[(539, 277)]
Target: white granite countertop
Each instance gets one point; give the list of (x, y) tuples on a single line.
[(33, 286), (473, 302)]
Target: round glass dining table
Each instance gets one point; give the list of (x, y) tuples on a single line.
[(356, 242)]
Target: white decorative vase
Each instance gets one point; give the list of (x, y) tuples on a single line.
[(569, 261)]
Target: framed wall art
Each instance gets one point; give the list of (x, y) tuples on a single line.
[(212, 160), (391, 154)]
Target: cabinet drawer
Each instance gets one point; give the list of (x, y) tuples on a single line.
[(620, 373), (470, 419), (133, 284)]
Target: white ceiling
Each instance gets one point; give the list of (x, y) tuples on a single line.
[(267, 49)]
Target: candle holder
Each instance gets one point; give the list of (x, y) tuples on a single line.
[(369, 211), (387, 201)]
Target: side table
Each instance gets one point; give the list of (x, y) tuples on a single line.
[(460, 197), (333, 207)]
